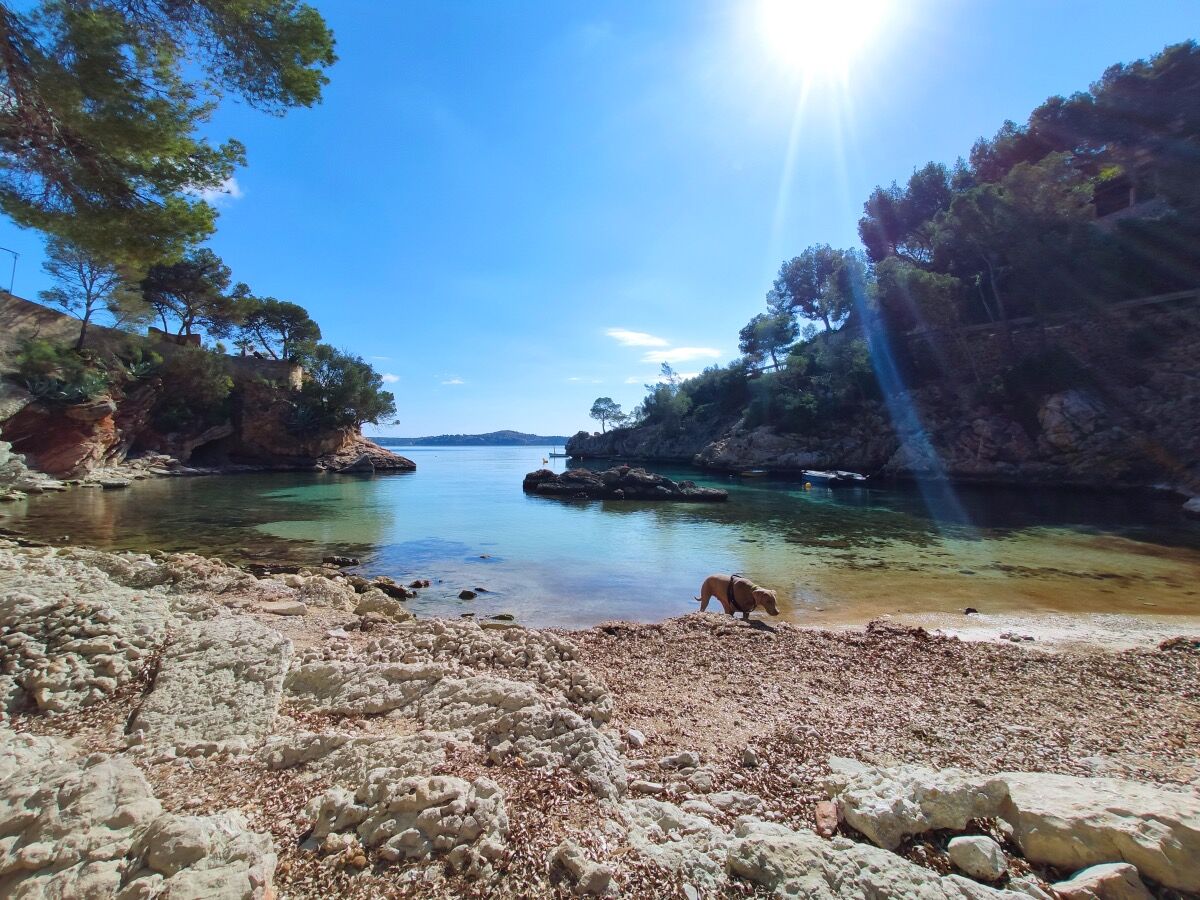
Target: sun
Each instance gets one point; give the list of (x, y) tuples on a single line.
[(821, 38)]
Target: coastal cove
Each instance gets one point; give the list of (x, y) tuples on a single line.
[(1067, 559)]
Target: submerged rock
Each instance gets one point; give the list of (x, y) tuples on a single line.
[(621, 483)]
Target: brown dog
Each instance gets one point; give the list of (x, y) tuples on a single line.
[(737, 594)]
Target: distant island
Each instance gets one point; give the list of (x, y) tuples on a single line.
[(491, 439)]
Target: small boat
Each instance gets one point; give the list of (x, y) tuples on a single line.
[(556, 455), (753, 473), (816, 476)]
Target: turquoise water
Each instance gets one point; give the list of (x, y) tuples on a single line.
[(844, 554)]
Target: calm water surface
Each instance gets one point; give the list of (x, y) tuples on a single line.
[(840, 555)]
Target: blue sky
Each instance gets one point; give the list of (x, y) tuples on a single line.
[(513, 208)]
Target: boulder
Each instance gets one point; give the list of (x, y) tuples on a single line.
[(889, 804), (1111, 881), (220, 682), (1072, 823), (978, 856), (801, 864), (621, 483), (569, 864), (1192, 507)]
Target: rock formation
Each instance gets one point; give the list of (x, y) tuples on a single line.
[(620, 483)]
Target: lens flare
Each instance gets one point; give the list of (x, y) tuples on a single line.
[(819, 38)]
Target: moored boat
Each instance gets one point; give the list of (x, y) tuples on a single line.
[(836, 476)]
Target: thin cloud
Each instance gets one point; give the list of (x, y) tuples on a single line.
[(580, 379), (389, 378), (453, 381), (636, 338), (680, 354), (382, 358), (659, 378)]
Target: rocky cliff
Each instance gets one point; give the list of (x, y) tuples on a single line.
[(1133, 422), (75, 439)]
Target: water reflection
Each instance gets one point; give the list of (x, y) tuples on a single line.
[(462, 521)]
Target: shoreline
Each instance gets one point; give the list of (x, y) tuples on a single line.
[(699, 719)]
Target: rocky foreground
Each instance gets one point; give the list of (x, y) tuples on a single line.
[(177, 727)]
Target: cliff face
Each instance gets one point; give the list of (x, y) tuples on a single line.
[(1137, 423), (71, 440)]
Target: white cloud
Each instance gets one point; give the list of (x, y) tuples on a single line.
[(580, 379), (658, 378), (229, 189), (453, 381), (382, 358), (389, 378), (680, 354), (633, 379), (636, 338)]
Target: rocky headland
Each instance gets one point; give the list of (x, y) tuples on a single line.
[(175, 726), (617, 483), (1127, 421), (113, 435)]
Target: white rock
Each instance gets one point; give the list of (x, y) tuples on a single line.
[(220, 681), (978, 856), (587, 878), (1030, 886), (285, 607), (635, 739), (90, 827), (888, 804), (686, 759), (800, 864), (1072, 823), (1111, 881)]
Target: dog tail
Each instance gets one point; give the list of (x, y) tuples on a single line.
[(697, 599)]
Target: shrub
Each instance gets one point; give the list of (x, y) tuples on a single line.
[(57, 373), (195, 392)]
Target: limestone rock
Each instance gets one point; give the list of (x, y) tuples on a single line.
[(417, 818), (1111, 881), (677, 840), (220, 681), (376, 601), (802, 865), (587, 878), (1072, 823), (978, 856), (285, 607), (90, 827), (888, 804), (72, 634)]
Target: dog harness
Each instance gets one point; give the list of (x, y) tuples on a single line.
[(740, 606)]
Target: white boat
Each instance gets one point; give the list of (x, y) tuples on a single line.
[(836, 476)]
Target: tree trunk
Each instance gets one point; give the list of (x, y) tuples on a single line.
[(83, 324), (825, 319), (996, 295)]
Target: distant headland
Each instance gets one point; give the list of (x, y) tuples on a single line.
[(491, 439)]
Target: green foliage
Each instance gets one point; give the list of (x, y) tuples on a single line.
[(195, 392), (101, 134), (817, 285), (284, 330), (605, 410), (191, 293), (340, 390), (767, 335), (86, 285), (56, 373)]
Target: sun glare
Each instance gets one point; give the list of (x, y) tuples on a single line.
[(820, 38)]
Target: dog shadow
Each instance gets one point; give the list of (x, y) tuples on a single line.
[(758, 625)]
